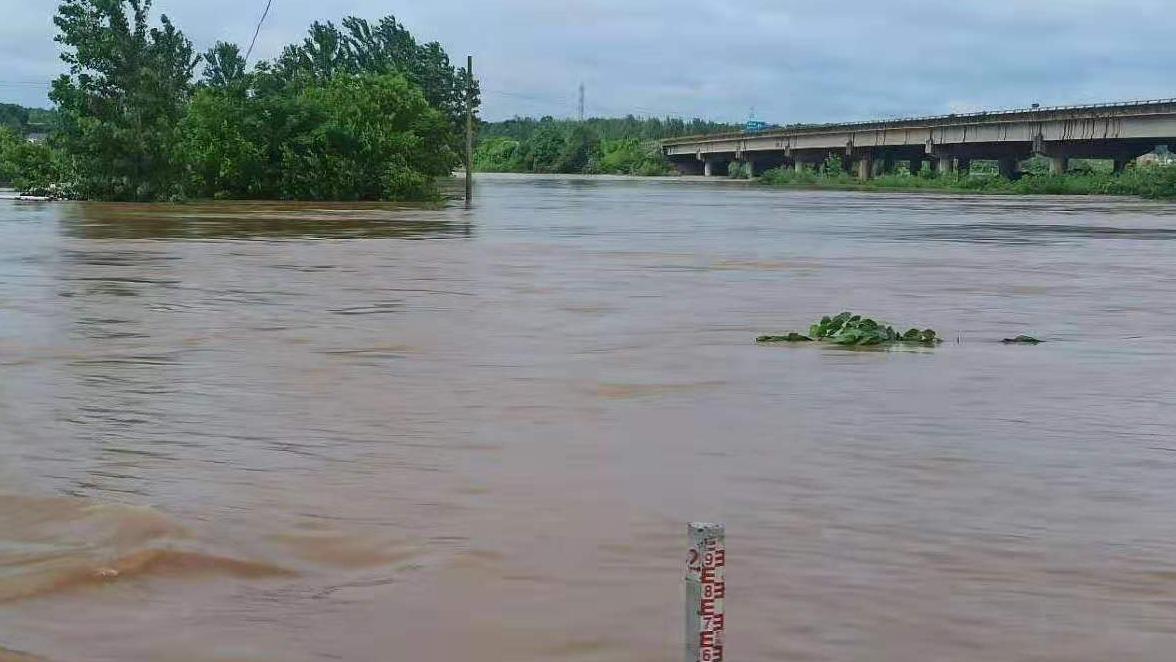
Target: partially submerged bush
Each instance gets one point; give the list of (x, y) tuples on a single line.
[(854, 330)]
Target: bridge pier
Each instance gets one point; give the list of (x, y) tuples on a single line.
[(1058, 165), (714, 167), (915, 166), (945, 165), (865, 167), (1009, 167)]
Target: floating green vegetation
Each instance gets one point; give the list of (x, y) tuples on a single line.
[(854, 330), (1021, 340), (791, 337)]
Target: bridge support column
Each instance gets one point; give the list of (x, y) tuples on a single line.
[(1008, 168), (888, 165), (945, 165), (1058, 165), (915, 166), (798, 166), (750, 168), (865, 167), (708, 168)]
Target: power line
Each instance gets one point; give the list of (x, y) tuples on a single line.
[(256, 32)]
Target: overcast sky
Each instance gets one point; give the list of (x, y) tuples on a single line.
[(790, 60)]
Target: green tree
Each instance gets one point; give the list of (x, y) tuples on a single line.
[(541, 153), (498, 155), (224, 146), (380, 139), (355, 137), (580, 148), (33, 168), (386, 47), (126, 92), (224, 66), (8, 143)]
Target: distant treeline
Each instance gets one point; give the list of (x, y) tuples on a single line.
[(26, 121), (356, 111), (623, 145)]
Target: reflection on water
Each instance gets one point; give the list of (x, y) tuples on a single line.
[(1009, 233), (272, 445), (253, 220)]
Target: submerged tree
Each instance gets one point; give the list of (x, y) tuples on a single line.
[(363, 112), (354, 137), (386, 47), (127, 89)]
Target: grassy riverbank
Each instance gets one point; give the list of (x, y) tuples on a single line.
[(1158, 182)]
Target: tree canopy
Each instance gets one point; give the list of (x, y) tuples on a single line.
[(121, 103), (361, 111)]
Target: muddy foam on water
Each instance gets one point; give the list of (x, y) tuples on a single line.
[(50, 545)]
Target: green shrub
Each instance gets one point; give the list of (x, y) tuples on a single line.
[(498, 155)]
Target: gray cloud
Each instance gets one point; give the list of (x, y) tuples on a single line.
[(791, 60)]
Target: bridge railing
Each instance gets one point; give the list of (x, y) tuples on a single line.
[(928, 118)]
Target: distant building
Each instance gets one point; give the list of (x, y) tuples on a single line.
[(37, 137)]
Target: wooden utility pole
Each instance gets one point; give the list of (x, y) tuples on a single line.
[(469, 159)]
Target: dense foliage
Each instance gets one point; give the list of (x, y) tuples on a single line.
[(121, 103), (356, 112), (363, 137), (30, 167), (625, 145), (1149, 181), (386, 47)]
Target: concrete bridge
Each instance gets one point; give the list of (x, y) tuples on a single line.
[(1115, 131)]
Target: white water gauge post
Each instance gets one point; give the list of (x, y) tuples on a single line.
[(706, 590)]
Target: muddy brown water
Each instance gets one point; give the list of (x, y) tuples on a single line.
[(325, 432)]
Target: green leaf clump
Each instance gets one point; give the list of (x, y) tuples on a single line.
[(848, 329)]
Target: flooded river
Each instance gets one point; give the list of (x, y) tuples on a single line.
[(255, 431)]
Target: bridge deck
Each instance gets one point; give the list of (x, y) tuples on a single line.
[(1113, 130)]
